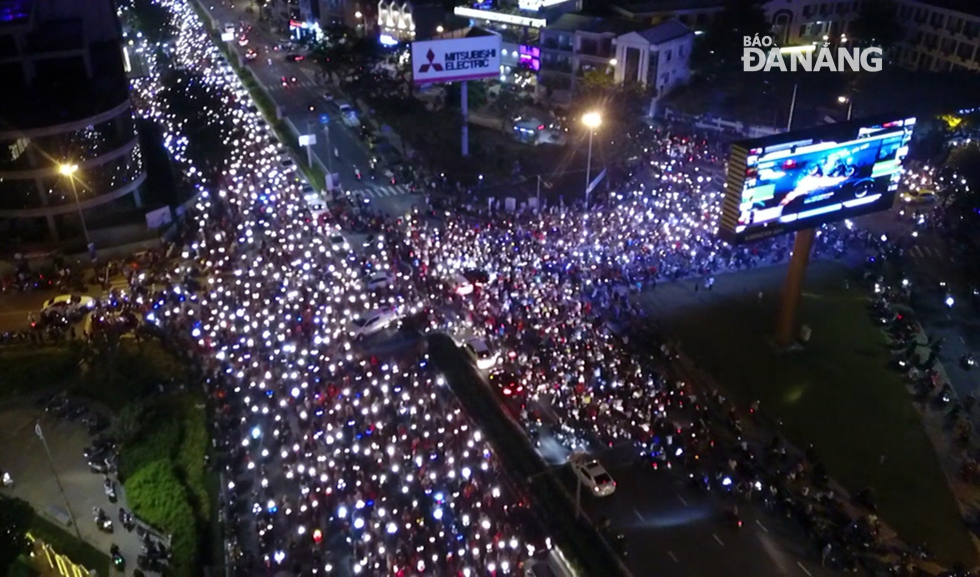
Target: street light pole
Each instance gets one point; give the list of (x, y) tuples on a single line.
[(539, 194), (61, 488), (850, 108), (592, 120), (309, 147), (69, 170), (588, 170)]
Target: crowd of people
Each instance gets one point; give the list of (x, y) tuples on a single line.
[(335, 457)]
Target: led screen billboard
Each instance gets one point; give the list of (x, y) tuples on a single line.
[(798, 180)]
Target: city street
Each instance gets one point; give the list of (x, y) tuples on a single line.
[(294, 101)]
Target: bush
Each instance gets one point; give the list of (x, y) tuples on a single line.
[(157, 496), (190, 456), (157, 440)]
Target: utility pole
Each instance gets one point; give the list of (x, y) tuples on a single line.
[(792, 108), (61, 488), (539, 194), (464, 102)]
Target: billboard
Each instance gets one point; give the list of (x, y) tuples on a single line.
[(455, 59), (787, 182)]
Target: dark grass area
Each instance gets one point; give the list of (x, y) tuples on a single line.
[(837, 394), (26, 369), (66, 543)]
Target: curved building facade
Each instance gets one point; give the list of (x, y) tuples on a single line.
[(69, 149)]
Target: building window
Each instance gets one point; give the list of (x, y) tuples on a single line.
[(842, 8), (669, 55), (972, 29), (936, 20), (701, 19), (965, 51), (802, 30), (920, 15), (665, 79), (680, 51)]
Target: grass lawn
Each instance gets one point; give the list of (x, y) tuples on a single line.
[(28, 369), (66, 543), (837, 394)]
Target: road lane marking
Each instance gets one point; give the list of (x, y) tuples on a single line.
[(763, 527), (804, 569), (717, 539), (672, 557), (682, 500), (638, 515)]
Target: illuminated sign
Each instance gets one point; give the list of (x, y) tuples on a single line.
[(529, 57), (18, 147), (500, 17), (535, 5), (455, 59), (788, 182)]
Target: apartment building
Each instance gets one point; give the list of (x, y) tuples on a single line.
[(939, 35), (794, 21)]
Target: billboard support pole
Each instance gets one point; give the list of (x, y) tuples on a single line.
[(465, 106), (792, 108), (793, 288)]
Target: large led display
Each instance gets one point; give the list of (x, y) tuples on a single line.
[(798, 180)]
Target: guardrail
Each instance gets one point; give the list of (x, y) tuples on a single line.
[(44, 553)]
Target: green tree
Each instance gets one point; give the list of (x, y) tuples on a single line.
[(876, 25), (153, 19), (597, 81), (477, 95), (15, 520), (718, 52)]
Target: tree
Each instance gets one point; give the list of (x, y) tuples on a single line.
[(154, 20), (718, 51), (476, 95), (876, 25), (597, 81), (15, 519)]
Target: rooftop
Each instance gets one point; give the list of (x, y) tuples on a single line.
[(595, 25), (661, 6), (966, 6), (665, 32)]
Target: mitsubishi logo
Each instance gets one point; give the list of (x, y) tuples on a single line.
[(431, 56)]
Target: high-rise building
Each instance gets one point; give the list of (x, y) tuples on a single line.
[(69, 150)]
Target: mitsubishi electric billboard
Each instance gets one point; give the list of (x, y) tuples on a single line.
[(455, 59)]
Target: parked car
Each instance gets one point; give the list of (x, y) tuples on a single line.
[(380, 280)]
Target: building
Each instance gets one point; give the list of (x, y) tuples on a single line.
[(655, 57), (69, 150), (575, 45), (518, 23), (939, 35), (793, 21)]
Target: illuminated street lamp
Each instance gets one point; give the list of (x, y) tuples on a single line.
[(439, 29), (592, 121), (849, 102), (69, 170), (360, 17)]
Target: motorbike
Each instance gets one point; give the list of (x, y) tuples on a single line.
[(336, 153), (357, 173), (732, 517), (7, 480), (102, 521), (967, 361), (110, 490), (117, 559)]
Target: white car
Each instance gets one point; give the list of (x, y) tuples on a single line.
[(592, 474), (287, 164), (380, 280), (373, 322), (68, 304), (481, 353), (338, 242), (230, 28), (460, 285)]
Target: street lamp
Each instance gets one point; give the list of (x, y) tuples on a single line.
[(591, 120), (440, 29), (359, 15), (850, 104), (69, 170)]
